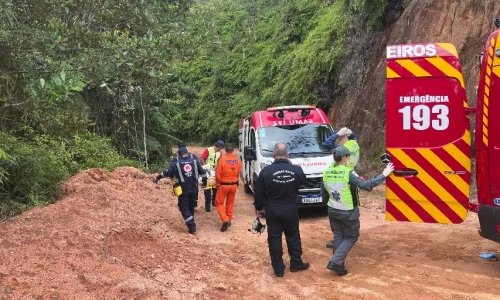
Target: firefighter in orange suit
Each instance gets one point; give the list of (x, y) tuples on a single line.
[(227, 174)]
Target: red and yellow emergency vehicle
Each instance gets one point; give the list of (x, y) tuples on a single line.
[(429, 140), (303, 128)]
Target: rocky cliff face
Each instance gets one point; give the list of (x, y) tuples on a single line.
[(465, 23)]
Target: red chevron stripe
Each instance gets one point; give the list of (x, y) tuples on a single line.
[(432, 69), (462, 146), (421, 212), (399, 69), (441, 178), (454, 62), (451, 162), (443, 181), (417, 209), (437, 201), (395, 212)]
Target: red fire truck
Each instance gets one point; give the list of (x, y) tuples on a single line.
[(303, 128), (429, 140)]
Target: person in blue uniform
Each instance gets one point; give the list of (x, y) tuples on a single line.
[(186, 168)]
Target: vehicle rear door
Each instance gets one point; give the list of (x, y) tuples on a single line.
[(488, 123), (427, 135)]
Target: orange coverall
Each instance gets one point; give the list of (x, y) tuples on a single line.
[(227, 175)]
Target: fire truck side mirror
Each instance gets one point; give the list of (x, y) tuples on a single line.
[(249, 153)]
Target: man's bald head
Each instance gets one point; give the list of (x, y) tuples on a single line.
[(280, 150)]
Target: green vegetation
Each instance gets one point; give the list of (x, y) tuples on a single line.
[(250, 56), (105, 83)]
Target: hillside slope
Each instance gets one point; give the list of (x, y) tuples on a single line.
[(465, 23)]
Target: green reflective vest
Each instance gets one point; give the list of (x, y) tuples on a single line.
[(336, 182), (353, 148), (213, 157)]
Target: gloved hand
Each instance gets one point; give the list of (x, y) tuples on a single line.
[(260, 213), (342, 131), (388, 169), (157, 179), (348, 132)]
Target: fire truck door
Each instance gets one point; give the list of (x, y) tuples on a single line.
[(427, 135)]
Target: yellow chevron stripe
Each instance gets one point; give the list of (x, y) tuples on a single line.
[(486, 98), (496, 59), (391, 73), (459, 156), (402, 206), (441, 192), (446, 68), (496, 70), (413, 68), (425, 203), (389, 217), (449, 47), (466, 138), (439, 164)]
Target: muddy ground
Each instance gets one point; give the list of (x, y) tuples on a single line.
[(117, 235)]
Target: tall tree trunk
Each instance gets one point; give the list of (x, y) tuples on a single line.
[(144, 133)]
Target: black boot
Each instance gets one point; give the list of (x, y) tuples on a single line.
[(302, 267), (225, 226)]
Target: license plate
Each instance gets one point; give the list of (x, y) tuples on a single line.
[(312, 200)]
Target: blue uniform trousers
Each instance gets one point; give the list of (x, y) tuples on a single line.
[(187, 202)]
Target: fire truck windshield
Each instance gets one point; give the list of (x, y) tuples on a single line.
[(302, 140)]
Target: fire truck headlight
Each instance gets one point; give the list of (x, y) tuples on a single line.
[(497, 52)]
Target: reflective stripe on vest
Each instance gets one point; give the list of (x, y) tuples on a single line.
[(336, 182), (213, 157), (353, 148), (195, 167)]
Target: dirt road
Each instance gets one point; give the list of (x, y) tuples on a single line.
[(119, 236)]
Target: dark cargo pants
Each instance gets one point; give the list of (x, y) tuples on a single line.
[(345, 227), (283, 220), (187, 202)]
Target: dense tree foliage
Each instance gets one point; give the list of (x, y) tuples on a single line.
[(104, 83), (74, 73), (249, 55)]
